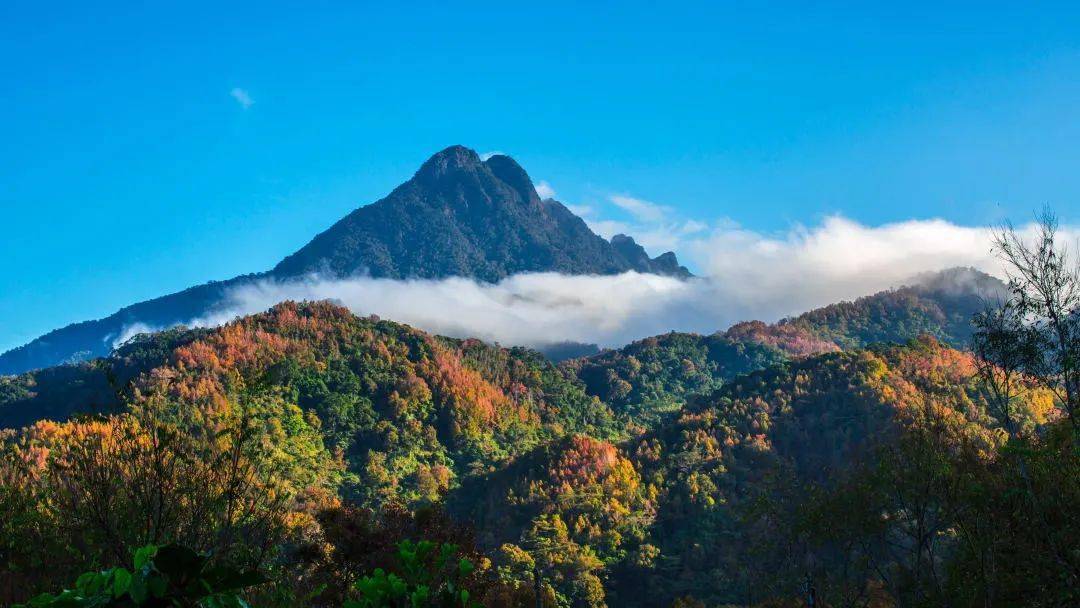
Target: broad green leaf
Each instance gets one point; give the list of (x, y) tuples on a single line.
[(143, 555), (178, 562), (230, 579), (84, 581), (121, 582), (157, 586), (465, 567), (137, 587)]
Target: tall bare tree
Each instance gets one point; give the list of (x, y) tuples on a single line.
[(1041, 314), (1006, 349)]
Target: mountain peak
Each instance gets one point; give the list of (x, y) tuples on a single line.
[(462, 216), (452, 159), (628, 248), (635, 255), (513, 175)]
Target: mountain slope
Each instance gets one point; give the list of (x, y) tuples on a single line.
[(460, 216), (457, 216), (681, 510), (655, 375), (98, 386), (83, 341), (408, 411), (940, 304)]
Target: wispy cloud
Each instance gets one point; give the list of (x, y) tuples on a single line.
[(664, 233), (545, 190), (609, 228), (656, 227), (486, 155), (693, 227), (242, 97), (582, 211), (642, 210)]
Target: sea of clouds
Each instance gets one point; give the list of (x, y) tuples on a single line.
[(743, 275)]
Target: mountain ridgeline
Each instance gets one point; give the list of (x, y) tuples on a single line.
[(458, 216)]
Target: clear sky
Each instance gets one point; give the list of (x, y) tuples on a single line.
[(144, 149)]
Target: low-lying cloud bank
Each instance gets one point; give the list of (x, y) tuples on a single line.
[(838, 260), (746, 275), (527, 309)]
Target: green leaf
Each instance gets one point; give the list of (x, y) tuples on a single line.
[(465, 567), (84, 581), (178, 563), (398, 587), (45, 599), (230, 579), (419, 597), (157, 586), (143, 555), (137, 588), (121, 582)]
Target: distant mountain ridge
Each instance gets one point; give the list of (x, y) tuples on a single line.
[(458, 215)]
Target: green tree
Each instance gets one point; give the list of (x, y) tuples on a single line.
[(170, 576)]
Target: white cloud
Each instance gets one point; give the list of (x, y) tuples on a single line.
[(582, 211), (748, 275), (608, 228), (530, 309), (693, 226), (655, 227), (655, 238), (486, 155), (545, 190), (658, 238), (130, 331), (837, 260), (642, 210), (242, 97)]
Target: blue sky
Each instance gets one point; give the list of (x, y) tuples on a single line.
[(128, 169)]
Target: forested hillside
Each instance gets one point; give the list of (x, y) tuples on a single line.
[(725, 305), (721, 503), (268, 422), (643, 379), (939, 304), (306, 442)]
